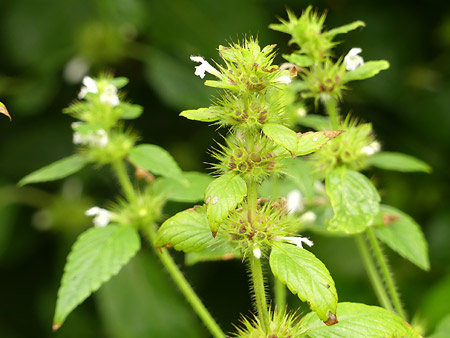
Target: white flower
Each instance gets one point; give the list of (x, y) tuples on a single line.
[(285, 79), (352, 60), (257, 252), (204, 67), (89, 86), (308, 217), (296, 240), (371, 149), (109, 95), (294, 201), (98, 138), (102, 216)]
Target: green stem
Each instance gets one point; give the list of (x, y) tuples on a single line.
[(387, 275), (372, 271), (185, 287), (259, 291), (252, 200), (124, 179), (331, 109), (280, 295)]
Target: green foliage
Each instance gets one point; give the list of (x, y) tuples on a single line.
[(306, 276), (186, 231), (57, 170), (399, 162), (222, 196), (403, 235), (156, 160), (359, 321), (281, 135), (97, 255), (367, 70), (220, 252), (442, 329), (354, 199), (190, 189), (201, 114)]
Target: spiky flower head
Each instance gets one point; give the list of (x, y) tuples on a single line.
[(352, 148), (254, 160)]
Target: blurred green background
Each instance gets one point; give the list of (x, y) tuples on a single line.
[(46, 48)]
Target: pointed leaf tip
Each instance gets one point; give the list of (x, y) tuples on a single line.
[(4, 111), (332, 319), (56, 326)]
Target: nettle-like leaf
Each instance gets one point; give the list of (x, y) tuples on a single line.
[(187, 231), (299, 59), (305, 275), (201, 114), (191, 191), (57, 170), (403, 235), (119, 82), (367, 70), (354, 199), (156, 160), (130, 111), (317, 122), (222, 196), (344, 29), (97, 255), (312, 141), (220, 252), (359, 321), (282, 136), (398, 162)]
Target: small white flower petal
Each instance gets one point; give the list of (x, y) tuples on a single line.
[(294, 201), (298, 241), (109, 95), (204, 67), (89, 86), (99, 139), (102, 217), (285, 79), (352, 60), (257, 253), (371, 149)]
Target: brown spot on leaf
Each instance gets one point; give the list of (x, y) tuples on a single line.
[(332, 319), (142, 174), (214, 233), (327, 286), (208, 199), (389, 218), (167, 246), (332, 133)]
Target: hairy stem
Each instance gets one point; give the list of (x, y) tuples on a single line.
[(372, 271), (259, 291), (280, 295), (387, 274), (184, 286), (124, 180), (331, 109)]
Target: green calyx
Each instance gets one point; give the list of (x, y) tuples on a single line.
[(352, 148)]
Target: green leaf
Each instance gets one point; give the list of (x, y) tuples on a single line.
[(403, 235), (359, 321), (130, 111), (354, 199), (97, 255), (442, 329), (222, 196), (119, 82), (299, 59), (301, 172), (312, 141), (344, 29), (202, 114), (220, 252), (367, 70), (191, 191), (306, 276), (281, 135), (57, 170), (187, 231), (156, 160), (398, 162)]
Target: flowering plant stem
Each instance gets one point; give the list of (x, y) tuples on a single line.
[(166, 259), (259, 291), (371, 269), (391, 302), (387, 274)]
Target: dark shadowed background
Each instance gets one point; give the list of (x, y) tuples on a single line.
[(45, 48)]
